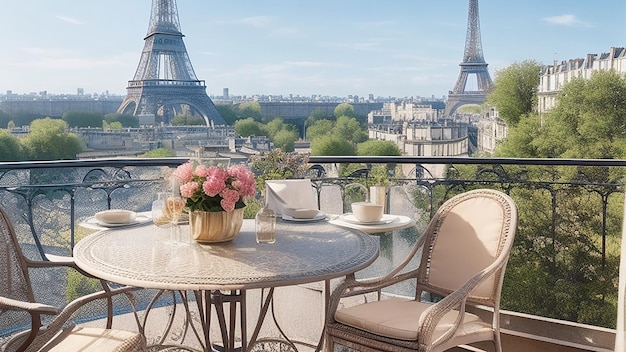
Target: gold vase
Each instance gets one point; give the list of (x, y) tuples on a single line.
[(215, 226)]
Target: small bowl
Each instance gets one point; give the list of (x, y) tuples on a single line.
[(301, 213), (116, 216), (367, 211)]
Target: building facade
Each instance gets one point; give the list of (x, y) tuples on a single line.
[(554, 77)]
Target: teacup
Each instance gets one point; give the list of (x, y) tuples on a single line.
[(367, 211)]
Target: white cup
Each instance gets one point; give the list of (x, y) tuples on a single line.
[(367, 211)]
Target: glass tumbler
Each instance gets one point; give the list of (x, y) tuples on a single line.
[(265, 226)]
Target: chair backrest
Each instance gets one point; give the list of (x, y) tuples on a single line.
[(14, 278), (468, 233)]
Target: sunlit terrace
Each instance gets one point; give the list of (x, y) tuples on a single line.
[(561, 285)]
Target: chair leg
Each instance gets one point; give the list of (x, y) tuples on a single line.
[(497, 343), (329, 345)]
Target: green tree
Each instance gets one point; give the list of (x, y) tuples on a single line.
[(248, 127), (23, 118), (10, 147), (515, 91), (316, 115), (589, 118), (344, 109), (350, 129), (378, 148), (47, 140), (125, 119), (83, 119), (273, 127), (251, 109), (332, 145), (588, 121), (228, 112), (520, 140), (285, 139), (319, 128), (188, 120)]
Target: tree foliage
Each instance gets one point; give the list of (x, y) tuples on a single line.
[(350, 129), (277, 165), (588, 122), (332, 145), (125, 119), (344, 109), (83, 119), (285, 139), (514, 94), (319, 128), (228, 112), (248, 127), (20, 118), (589, 119), (378, 148), (250, 109), (10, 147), (564, 264), (47, 140), (188, 120)]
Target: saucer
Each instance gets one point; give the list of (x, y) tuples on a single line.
[(320, 216), (386, 219), (139, 219)]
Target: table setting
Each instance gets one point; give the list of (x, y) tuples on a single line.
[(116, 218), (369, 218)]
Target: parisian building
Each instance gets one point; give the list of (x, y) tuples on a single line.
[(554, 77)]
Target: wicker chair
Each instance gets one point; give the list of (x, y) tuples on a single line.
[(464, 252), (18, 306)]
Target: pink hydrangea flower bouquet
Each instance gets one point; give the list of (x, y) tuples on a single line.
[(214, 188)]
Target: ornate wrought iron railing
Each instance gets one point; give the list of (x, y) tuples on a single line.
[(565, 262)]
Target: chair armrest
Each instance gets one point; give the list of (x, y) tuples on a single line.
[(60, 259), (33, 308), (68, 311), (432, 315)]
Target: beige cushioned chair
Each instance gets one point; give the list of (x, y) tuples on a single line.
[(464, 252), (60, 334)]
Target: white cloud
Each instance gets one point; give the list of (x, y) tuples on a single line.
[(70, 20), (566, 20)]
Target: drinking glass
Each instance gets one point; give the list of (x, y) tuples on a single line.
[(175, 204), (160, 213), (161, 216)]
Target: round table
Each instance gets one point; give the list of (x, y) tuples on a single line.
[(304, 252)]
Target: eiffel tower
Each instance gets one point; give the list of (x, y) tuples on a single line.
[(474, 64), (165, 83)]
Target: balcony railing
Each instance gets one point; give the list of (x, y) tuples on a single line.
[(564, 270)]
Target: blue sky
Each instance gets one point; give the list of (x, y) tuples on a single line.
[(340, 47)]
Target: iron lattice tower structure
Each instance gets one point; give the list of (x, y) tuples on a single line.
[(473, 64), (165, 83)]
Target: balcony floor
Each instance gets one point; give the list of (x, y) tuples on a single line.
[(299, 311)]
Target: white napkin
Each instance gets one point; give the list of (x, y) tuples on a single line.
[(281, 194)]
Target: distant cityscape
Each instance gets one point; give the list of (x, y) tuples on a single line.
[(224, 98)]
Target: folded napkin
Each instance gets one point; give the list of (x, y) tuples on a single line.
[(298, 194)]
